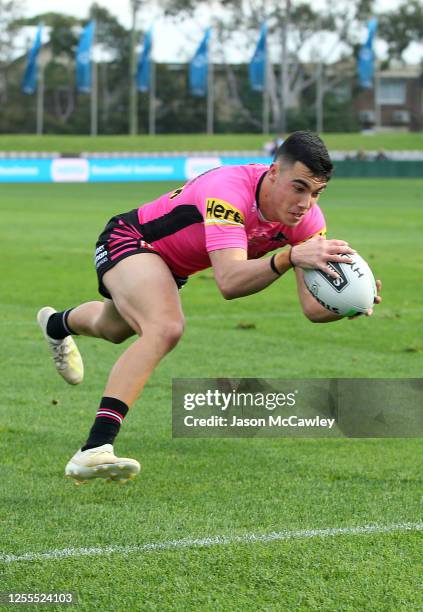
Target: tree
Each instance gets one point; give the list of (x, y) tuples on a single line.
[(292, 23), (10, 11), (113, 41), (401, 27), (65, 110)]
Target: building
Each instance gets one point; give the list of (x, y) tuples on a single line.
[(395, 102)]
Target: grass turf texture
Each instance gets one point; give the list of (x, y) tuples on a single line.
[(199, 488), (390, 141)]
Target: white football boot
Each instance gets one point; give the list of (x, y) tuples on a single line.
[(101, 462), (66, 356)]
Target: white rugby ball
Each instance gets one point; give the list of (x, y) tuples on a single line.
[(353, 292)]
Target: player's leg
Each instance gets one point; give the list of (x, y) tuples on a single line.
[(145, 294), (99, 320), (95, 319), (65, 353)]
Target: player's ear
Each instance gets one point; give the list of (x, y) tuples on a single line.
[(274, 171)]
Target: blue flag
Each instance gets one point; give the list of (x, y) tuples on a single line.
[(83, 58), (366, 57), (144, 63), (199, 66), (29, 81), (257, 66)]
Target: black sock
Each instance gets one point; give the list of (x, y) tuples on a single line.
[(107, 423), (57, 325)]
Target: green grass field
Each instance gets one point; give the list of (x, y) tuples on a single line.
[(389, 141), (197, 489)]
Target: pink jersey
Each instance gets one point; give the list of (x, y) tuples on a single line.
[(218, 210)]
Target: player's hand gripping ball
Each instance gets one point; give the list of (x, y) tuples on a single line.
[(353, 292)]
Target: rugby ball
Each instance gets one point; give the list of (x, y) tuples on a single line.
[(352, 293)]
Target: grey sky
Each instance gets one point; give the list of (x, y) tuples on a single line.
[(121, 8), (178, 43)]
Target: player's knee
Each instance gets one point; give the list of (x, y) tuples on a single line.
[(170, 332)]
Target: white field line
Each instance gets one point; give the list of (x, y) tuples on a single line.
[(251, 538)]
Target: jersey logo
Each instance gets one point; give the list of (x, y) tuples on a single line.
[(177, 192), (219, 212), (279, 237)]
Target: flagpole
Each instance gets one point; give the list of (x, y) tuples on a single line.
[(210, 95), (152, 100), (133, 93), (94, 98), (265, 119), (378, 114), (319, 97), (284, 74), (40, 99)]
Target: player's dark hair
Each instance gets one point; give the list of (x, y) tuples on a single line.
[(310, 150)]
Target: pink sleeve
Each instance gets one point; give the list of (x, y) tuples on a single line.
[(225, 202), (313, 224)]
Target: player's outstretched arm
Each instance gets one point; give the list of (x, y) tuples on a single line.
[(317, 313), (237, 276), (314, 311)]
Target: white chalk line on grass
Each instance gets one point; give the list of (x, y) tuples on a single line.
[(251, 538)]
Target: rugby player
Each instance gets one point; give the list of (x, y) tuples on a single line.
[(227, 218)]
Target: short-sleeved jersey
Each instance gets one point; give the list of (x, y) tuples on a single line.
[(218, 210)]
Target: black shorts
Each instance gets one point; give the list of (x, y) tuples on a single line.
[(122, 238)]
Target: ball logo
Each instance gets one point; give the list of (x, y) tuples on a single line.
[(327, 306), (338, 283), (356, 269), (314, 288)]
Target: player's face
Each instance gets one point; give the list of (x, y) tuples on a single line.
[(292, 192)]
